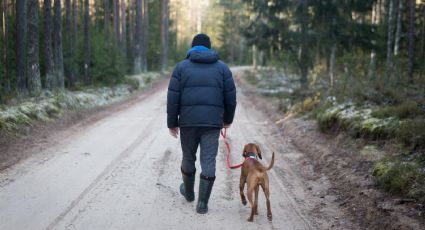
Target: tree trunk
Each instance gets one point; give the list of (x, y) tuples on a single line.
[(48, 53), (73, 42), (131, 25), (116, 12), (374, 21), (57, 45), (123, 29), (254, 56), (164, 35), (68, 45), (145, 39), (398, 30), (411, 35), (107, 16), (137, 38), (21, 24), (390, 38), (303, 64), (332, 65), (87, 54), (6, 78), (422, 49), (34, 81)]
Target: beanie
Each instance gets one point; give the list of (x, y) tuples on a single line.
[(201, 40)]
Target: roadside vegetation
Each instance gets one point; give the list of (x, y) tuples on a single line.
[(356, 67), (52, 104), (391, 122)]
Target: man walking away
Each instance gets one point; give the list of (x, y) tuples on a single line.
[(201, 101)]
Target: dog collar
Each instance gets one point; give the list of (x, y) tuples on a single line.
[(251, 155)]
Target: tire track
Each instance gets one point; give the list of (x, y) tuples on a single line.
[(101, 176)]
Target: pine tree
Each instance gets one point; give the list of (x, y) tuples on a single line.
[(123, 37), (57, 45), (164, 34), (48, 53), (68, 44), (116, 12), (411, 39), (21, 24), (145, 39), (138, 38), (87, 53), (6, 78), (34, 81)]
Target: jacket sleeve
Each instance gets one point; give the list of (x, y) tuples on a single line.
[(229, 96), (173, 99)]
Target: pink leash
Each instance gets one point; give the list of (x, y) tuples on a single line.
[(224, 135)]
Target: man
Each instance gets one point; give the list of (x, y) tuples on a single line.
[(201, 101)]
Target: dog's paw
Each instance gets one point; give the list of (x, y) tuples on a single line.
[(270, 217), (244, 202), (250, 219)]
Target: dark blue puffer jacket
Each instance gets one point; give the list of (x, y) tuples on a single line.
[(201, 92)]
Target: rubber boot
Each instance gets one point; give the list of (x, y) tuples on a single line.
[(187, 187), (205, 187)]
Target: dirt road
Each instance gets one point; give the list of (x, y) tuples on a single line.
[(122, 172)]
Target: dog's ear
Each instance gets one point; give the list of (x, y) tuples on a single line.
[(259, 152), (244, 151)]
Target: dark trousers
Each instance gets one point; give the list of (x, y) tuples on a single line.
[(207, 139)]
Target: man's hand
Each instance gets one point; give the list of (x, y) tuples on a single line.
[(226, 125), (174, 132)]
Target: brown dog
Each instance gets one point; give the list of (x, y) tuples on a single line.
[(254, 174)]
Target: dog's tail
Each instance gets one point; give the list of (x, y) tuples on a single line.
[(271, 163)]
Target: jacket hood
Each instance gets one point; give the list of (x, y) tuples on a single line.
[(206, 56)]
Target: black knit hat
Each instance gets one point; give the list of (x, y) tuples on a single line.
[(201, 40)]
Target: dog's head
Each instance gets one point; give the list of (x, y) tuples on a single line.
[(252, 148)]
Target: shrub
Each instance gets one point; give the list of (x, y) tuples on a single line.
[(412, 132), (401, 175), (405, 110)]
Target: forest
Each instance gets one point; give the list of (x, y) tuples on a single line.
[(65, 44), (354, 67)]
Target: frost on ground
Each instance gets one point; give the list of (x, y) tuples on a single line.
[(50, 105)]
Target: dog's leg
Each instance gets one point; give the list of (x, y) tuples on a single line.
[(266, 190), (257, 187), (241, 187), (251, 188)]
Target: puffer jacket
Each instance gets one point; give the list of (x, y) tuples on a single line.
[(201, 92)]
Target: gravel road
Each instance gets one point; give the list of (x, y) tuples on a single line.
[(123, 172)]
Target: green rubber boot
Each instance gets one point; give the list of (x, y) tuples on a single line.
[(205, 187), (187, 187)]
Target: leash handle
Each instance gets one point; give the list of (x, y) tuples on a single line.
[(224, 135)]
